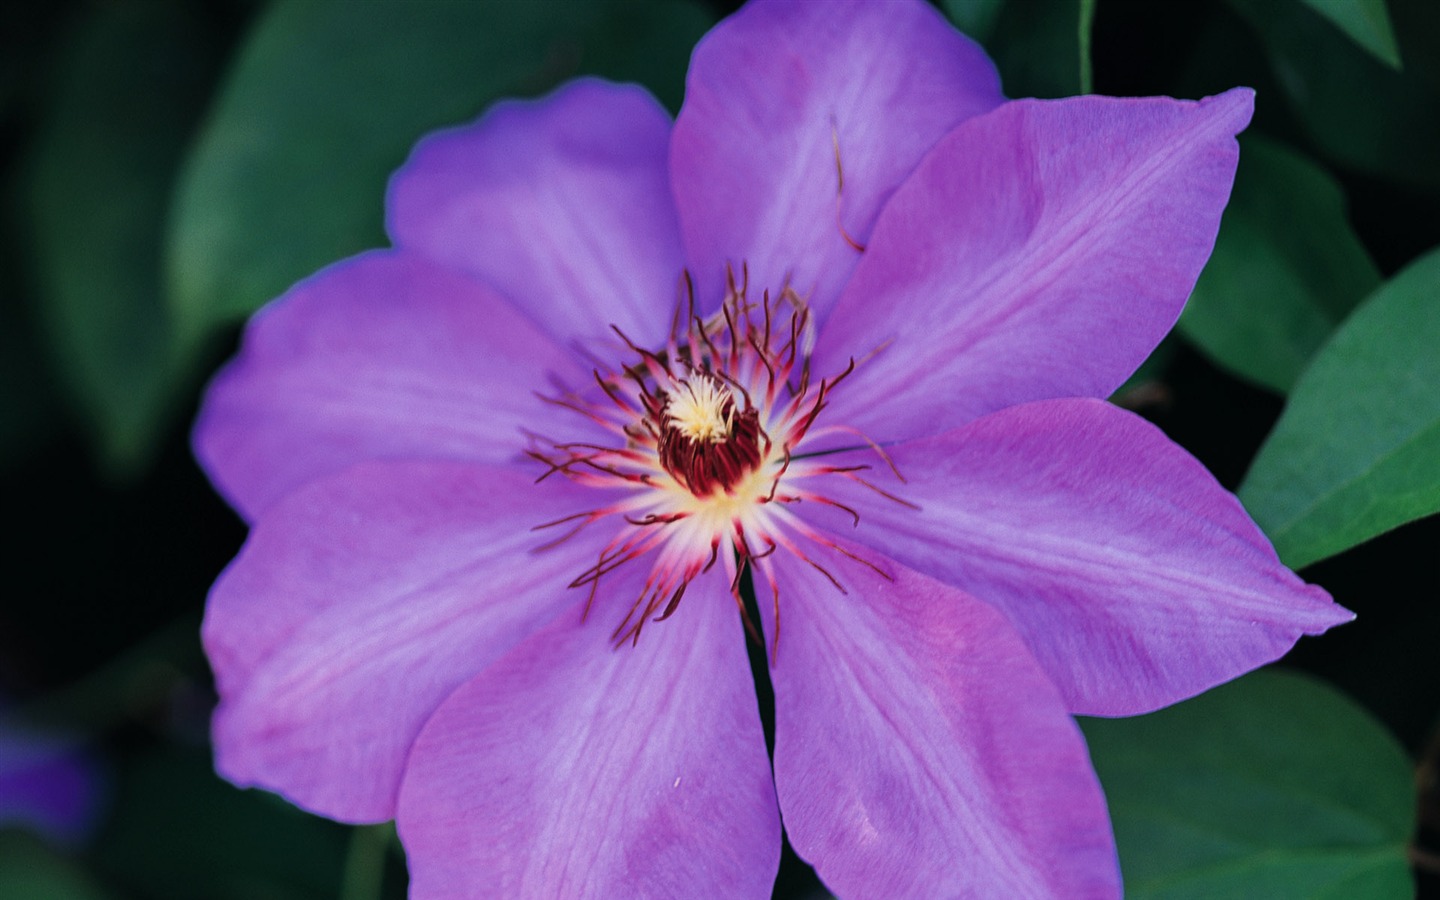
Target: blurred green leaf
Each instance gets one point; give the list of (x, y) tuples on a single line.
[(976, 18), (328, 98), (131, 84), (177, 832), (1286, 269), (1358, 110), (1417, 30), (364, 877), (1041, 47), (1367, 22), (29, 870), (1357, 450), (1272, 786)]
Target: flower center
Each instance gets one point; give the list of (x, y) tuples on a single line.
[(705, 444), (708, 445)]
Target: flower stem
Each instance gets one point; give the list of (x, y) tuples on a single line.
[(364, 876)]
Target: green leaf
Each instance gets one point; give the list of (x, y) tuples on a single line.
[(364, 877), (1361, 112), (131, 85), (1083, 28), (1367, 22), (176, 831), (976, 18), (1286, 269), (32, 871), (327, 99), (1357, 450), (1041, 47), (1272, 786)]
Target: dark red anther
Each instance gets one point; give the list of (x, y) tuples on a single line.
[(707, 466)]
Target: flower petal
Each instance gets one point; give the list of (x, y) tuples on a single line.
[(772, 92), (562, 203), (358, 603), (382, 355), (572, 768), (1040, 251), (1135, 578), (920, 751)]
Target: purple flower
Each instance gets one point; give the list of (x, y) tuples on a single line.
[(46, 784), (843, 330)]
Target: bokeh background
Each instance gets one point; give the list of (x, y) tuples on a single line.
[(167, 167)]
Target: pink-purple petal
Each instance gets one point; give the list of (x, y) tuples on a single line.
[(772, 91), (1039, 251), (562, 203), (920, 751), (575, 768), (1135, 578), (360, 602), (384, 355)]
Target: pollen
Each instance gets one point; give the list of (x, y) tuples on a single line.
[(702, 409)]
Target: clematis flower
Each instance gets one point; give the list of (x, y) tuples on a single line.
[(840, 334)]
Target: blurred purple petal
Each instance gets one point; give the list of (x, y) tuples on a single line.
[(562, 203), (358, 604), (772, 91), (920, 751), (1040, 251), (575, 768), (47, 784)]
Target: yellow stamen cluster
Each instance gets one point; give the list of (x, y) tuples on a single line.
[(702, 409)]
